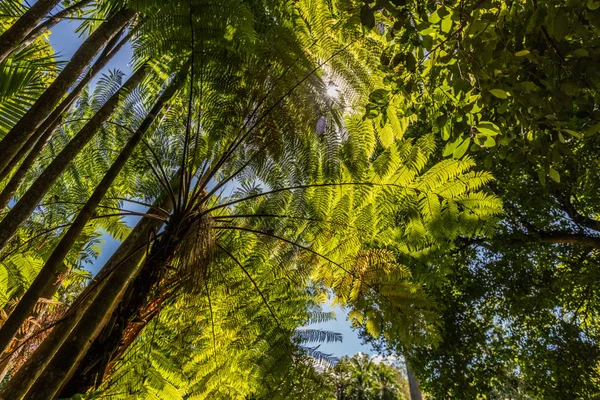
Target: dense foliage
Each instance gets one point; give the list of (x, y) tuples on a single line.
[(430, 166), (510, 83), (360, 377)]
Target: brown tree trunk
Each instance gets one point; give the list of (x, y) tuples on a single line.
[(5, 365), (126, 258), (18, 177), (51, 123), (14, 35), (15, 349), (47, 279), (90, 371), (65, 359), (33, 118), (25, 206), (50, 22)]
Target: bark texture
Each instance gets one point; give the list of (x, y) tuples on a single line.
[(33, 118), (14, 35), (45, 131), (50, 23), (125, 259), (413, 385), (25, 206), (73, 348), (91, 370)]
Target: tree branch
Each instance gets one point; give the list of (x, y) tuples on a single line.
[(549, 237)]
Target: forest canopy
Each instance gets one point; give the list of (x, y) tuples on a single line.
[(429, 166)]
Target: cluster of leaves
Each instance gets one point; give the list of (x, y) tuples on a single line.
[(518, 310), (25, 74), (512, 84), (369, 204), (513, 80), (360, 377), (512, 322)]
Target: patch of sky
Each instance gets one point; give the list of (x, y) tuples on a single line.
[(65, 41), (350, 343)]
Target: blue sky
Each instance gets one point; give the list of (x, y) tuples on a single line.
[(65, 41)]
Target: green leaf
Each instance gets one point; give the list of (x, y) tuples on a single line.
[(446, 132), (371, 113), (570, 89), (411, 62), (367, 17), (490, 142), (446, 25), (542, 176), (441, 121), (593, 4), (450, 147), (554, 175), (488, 128), (592, 130), (443, 12), (379, 96), (373, 327), (580, 53), (434, 17), (573, 133), (499, 93), (462, 149), (556, 157), (487, 163), (560, 25)]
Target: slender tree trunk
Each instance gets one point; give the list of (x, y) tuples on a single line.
[(45, 131), (5, 365), (47, 279), (108, 53), (126, 258), (65, 359), (413, 385), (14, 35), (25, 128), (50, 22), (25, 206), (91, 369), (14, 351), (17, 178)]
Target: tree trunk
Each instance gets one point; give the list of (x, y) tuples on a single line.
[(126, 258), (5, 365), (17, 178), (65, 359), (15, 350), (25, 128), (14, 35), (91, 369), (413, 385), (25, 206), (51, 123), (47, 279), (50, 22)]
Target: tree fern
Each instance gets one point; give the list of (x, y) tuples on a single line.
[(261, 206)]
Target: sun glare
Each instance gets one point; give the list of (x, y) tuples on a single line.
[(333, 92)]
